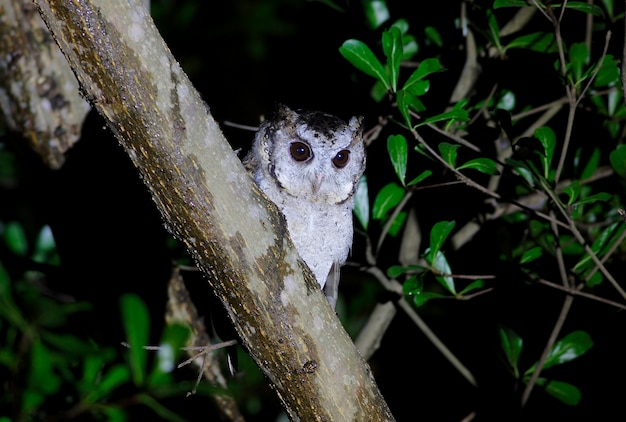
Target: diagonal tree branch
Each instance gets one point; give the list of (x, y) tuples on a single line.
[(208, 202), (39, 95)]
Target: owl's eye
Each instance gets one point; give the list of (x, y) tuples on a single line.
[(341, 159), (300, 151)]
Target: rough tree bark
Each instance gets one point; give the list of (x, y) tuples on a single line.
[(39, 94), (207, 201)]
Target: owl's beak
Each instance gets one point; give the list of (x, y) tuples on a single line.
[(316, 183)]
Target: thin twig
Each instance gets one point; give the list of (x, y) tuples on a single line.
[(561, 320), (567, 303), (204, 350), (592, 78), (454, 137), (475, 185), (240, 126), (395, 286), (559, 252), (392, 218), (579, 237), (577, 292), (539, 109)]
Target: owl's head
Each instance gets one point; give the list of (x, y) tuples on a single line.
[(312, 155)]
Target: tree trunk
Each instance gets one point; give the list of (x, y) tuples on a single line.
[(38, 93), (208, 202)]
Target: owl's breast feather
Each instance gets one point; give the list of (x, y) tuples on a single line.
[(322, 234)]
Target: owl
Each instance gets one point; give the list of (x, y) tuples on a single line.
[(309, 163)]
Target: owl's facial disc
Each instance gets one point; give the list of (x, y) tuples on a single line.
[(320, 180), (316, 182)]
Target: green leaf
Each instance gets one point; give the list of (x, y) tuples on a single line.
[(420, 149), (8, 166), (392, 47), (595, 279), (136, 324), (455, 114), (609, 73), (361, 57), (407, 101), (571, 347), (418, 89), (483, 165), (413, 286), (509, 3), (440, 263), (15, 238), (433, 35), (362, 203), (507, 102), (494, 29), (564, 392), (608, 6), (376, 12), (603, 196), (45, 247), (583, 7), (423, 297), (419, 178), (438, 235), (402, 25), (42, 375), (531, 255), (578, 56), (618, 160), (601, 244), (9, 310), (92, 366), (548, 141), (592, 164), (69, 344), (378, 91), (114, 413), (511, 345), (448, 152), (397, 223), (388, 197), (110, 380), (522, 170), (541, 42), (425, 68), (398, 153), (404, 98), (396, 271), (409, 47), (572, 191), (477, 284)]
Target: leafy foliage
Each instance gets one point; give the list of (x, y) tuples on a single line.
[(493, 205), (535, 168), (44, 362)]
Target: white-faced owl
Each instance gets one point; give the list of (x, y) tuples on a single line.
[(309, 163)]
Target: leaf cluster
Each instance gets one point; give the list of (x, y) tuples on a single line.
[(540, 179)]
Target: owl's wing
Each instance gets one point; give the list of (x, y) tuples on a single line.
[(250, 162), (331, 288)]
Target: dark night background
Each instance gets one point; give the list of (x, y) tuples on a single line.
[(244, 56)]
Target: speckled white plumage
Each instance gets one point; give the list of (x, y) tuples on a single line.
[(309, 163)]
